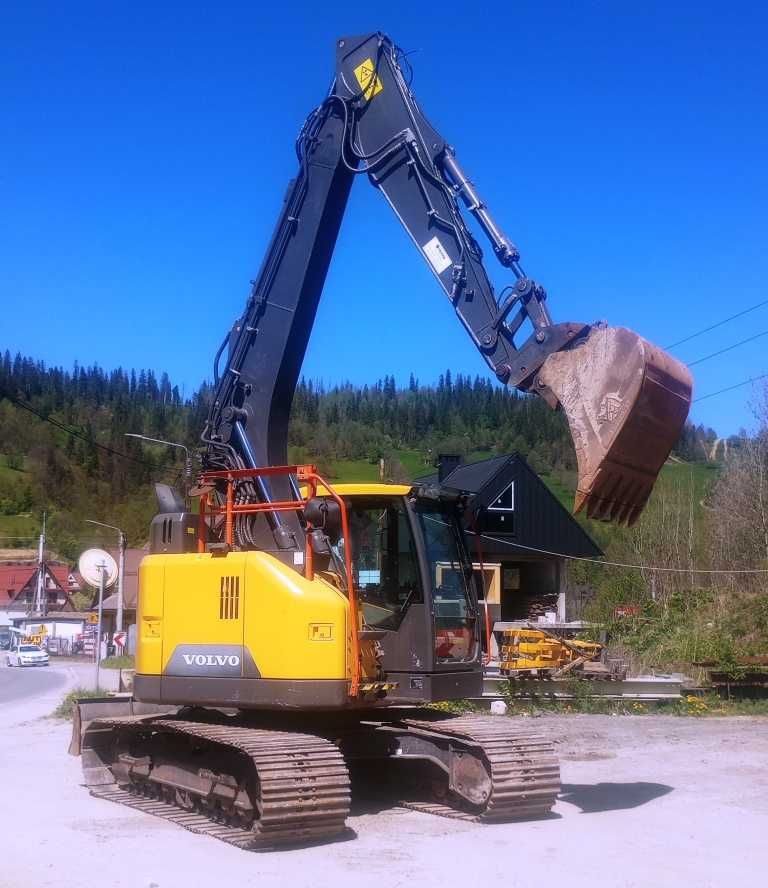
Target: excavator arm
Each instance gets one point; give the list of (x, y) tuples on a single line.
[(625, 400)]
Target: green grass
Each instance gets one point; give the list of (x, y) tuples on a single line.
[(23, 526), (348, 471), (455, 707), (562, 487), (362, 470), (703, 475), (9, 474), (415, 463), (124, 662), (691, 706), (66, 709)]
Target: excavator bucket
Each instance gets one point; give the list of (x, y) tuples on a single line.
[(626, 401)]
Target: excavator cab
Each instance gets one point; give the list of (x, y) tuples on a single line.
[(415, 587)]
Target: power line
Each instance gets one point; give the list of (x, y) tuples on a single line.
[(718, 324), (730, 388), (683, 570), (76, 434), (728, 348)]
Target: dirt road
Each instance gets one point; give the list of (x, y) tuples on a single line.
[(646, 801)]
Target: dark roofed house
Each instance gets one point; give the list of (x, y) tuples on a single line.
[(523, 532)]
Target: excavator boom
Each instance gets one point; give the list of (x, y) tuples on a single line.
[(625, 400)]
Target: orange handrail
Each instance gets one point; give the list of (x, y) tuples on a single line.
[(351, 591), (305, 473)]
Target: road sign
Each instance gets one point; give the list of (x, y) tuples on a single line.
[(118, 639)]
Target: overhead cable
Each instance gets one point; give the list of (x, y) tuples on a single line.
[(718, 324), (75, 433), (682, 570), (728, 348), (730, 388)]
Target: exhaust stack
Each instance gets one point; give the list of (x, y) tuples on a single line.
[(626, 401)]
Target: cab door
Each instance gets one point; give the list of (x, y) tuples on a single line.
[(389, 580)]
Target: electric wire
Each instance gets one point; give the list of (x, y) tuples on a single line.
[(728, 348), (76, 434), (718, 324), (648, 567), (730, 388)]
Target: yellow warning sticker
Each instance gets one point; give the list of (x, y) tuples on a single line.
[(368, 79)]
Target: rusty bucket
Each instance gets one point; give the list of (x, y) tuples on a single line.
[(626, 402)]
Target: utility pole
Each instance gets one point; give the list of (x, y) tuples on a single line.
[(120, 576), (121, 540), (40, 590), (97, 650)]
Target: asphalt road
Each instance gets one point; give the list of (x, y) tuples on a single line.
[(27, 682), (35, 691)]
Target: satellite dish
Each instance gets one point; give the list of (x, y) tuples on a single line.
[(92, 562)]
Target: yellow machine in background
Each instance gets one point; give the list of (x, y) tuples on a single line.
[(35, 635), (524, 649)]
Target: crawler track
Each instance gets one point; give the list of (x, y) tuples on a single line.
[(303, 786), (525, 775), (297, 782)]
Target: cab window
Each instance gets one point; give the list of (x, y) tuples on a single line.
[(384, 560), (452, 580)]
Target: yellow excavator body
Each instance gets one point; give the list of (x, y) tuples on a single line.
[(208, 620), (249, 607)]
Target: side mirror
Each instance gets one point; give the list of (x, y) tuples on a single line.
[(325, 514)]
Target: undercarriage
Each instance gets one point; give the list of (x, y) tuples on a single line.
[(265, 780)]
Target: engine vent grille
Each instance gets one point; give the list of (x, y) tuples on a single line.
[(229, 598)]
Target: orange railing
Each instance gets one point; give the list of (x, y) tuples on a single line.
[(230, 509)]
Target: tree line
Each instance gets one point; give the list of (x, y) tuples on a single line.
[(97, 472)]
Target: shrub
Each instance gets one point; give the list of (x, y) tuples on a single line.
[(66, 709)]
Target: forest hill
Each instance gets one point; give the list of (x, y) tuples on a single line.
[(90, 469)]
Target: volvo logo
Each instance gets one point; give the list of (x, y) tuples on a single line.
[(211, 659)]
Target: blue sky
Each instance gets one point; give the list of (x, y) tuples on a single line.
[(145, 149)]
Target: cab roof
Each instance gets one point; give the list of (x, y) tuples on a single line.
[(366, 489)]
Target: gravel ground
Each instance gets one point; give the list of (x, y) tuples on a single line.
[(647, 800)]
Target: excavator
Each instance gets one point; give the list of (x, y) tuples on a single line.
[(290, 631)]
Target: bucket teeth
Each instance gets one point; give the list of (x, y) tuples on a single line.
[(626, 402)]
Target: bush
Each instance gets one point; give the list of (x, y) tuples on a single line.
[(454, 707), (66, 709), (123, 662)]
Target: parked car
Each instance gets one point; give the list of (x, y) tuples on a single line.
[(27, 655)]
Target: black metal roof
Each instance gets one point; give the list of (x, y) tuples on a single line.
[(540, 520)]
